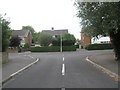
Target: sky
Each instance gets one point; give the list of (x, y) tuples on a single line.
[(42, 14)]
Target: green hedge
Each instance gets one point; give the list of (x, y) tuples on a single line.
[(99, 46), (52, 49), (69, 48)]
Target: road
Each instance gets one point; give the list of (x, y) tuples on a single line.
[(62, 70)]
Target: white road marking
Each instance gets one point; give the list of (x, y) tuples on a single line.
[(62, 88), (63, 69), (63, 58), (24, 68)]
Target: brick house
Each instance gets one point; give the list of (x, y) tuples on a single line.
[(24, 35), (85, 39)]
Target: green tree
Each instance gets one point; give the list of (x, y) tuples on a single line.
[(45, 39), (101, 18), (0, 33), (15, 41), (67, 40), (29, 28), (36, 37), (6, 32), (56, 41), (34, 34), (78, 42)]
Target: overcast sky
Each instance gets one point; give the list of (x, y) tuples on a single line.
[(42, 14)]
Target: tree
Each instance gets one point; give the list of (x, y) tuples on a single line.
[(0, 33), (34, 34), (6, 32), (15, 41), (29, 28), (56, 41), (36, 37), (78, 42), (45, 39), (101, 18), (67, 40)]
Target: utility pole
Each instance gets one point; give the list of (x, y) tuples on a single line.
[(61, 43)]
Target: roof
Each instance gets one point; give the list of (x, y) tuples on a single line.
[(56, 32), (20, 33)]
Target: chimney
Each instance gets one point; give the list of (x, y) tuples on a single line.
[(52, 28)]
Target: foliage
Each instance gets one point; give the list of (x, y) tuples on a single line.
[(69, 48), (26, 46), (67, 40), (45, 39), (78, 42), (29, 28), (52, 49), (99, 46), (101, 18), (56, 41), (35, 35), (6, 32), (0, 34), (15, 41)]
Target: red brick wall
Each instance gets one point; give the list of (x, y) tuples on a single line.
[(28, 39), (85, 40)]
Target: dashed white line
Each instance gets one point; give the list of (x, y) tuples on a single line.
[(63, 69), (63, 58), (62, 88)]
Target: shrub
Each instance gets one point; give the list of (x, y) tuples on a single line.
[(69, 48), (52, 49), (67, 40), (99, 46), (26, 46)]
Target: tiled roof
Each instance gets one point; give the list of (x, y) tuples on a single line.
[(55, 32), (21, 33)]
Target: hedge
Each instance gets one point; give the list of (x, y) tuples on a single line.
[(52, 49), (99, 46)]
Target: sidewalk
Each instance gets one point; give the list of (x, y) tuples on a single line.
[(107, 61), (16, 62)]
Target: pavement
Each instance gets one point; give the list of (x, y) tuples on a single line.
[(63, 70), (16, 62), (107, 61)]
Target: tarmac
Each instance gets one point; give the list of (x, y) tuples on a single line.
[(106, 62), (17, 62)]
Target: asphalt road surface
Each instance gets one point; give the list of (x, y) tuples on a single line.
[(62, 70)]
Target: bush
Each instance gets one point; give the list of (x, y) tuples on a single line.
[(99, 46), (52, 49), (67, 40), (26, 46), (69, 48)]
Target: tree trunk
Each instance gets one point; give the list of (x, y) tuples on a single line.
[(115, 40)]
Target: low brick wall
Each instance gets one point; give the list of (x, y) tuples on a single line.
[(12, 50)]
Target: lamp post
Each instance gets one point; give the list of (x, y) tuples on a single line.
[(61, 43)]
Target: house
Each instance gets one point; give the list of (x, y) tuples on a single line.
[(85, 40), (55, 33), (24, 35), (101, 40)]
